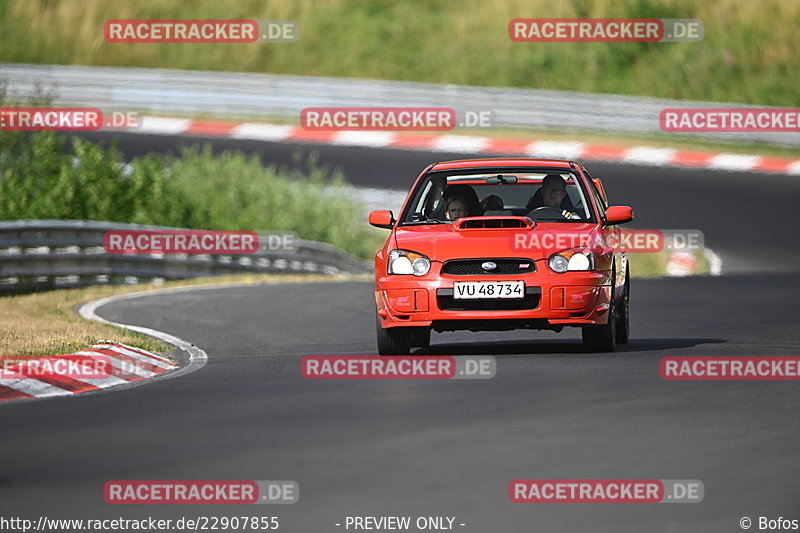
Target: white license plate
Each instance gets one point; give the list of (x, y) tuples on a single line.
[(468, 290)]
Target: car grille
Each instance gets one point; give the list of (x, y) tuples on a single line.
[(446, 302), (472, 267)]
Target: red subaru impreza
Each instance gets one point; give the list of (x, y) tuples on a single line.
[(501, 244)]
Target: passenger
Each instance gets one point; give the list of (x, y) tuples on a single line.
[(492, 203), (467, 195), (456, 208)]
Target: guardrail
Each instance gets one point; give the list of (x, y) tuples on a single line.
[(269, 96), (46, 254)]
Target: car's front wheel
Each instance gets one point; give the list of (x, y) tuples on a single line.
[(623, 313), (420, 337), (602, 337), (393, 341)]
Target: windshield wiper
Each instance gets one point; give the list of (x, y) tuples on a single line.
[(426, 221), (419, 218)]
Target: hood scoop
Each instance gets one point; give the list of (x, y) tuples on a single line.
[(500, 222)]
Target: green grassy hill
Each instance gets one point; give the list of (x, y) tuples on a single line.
[(749, 53)]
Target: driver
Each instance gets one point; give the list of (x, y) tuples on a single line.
[(554, 195)]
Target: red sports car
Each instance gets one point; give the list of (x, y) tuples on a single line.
[(501, 244)]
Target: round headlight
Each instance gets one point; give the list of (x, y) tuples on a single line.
[(407, 262), (559, 263), (401, 265), (579, 261), (421, 266)]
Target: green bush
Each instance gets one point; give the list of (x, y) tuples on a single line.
[(42, 175)]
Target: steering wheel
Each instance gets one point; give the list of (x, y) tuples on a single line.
[(546, 212)]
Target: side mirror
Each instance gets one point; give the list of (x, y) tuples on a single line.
[(381, 219), (619, 214)]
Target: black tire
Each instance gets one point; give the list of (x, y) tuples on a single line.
[(393, 341), (623, 313), (420, 337), (601, 337)]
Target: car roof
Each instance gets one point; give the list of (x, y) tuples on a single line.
[(502, 162)]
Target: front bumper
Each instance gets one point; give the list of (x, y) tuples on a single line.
[(551, 301)]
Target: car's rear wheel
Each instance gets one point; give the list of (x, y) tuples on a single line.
[(602, 337), (393, 341), (623, 313)]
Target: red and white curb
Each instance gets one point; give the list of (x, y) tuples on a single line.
[(149, 366), (683, 264), (128, 364), (197, 358), (639, 155)]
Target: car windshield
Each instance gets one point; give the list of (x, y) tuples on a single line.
[(551, 196)]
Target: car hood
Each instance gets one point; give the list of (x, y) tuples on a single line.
[(441, 242)]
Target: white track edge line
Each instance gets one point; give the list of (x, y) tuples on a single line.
[(197, 356)]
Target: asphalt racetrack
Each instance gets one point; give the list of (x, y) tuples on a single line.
[(450, 448)]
